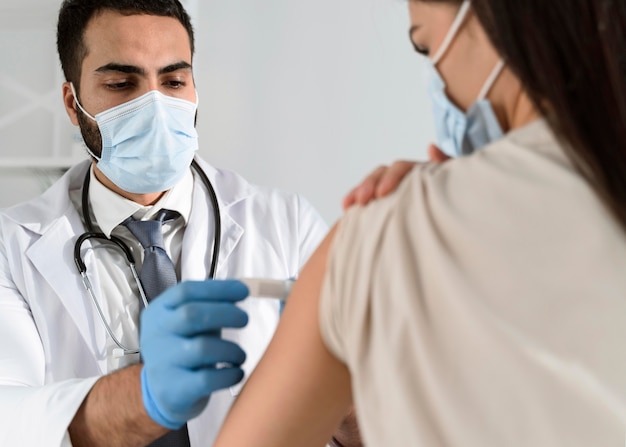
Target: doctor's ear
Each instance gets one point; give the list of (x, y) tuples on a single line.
[(69, 101)]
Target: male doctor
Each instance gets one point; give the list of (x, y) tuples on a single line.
[(63, 378)]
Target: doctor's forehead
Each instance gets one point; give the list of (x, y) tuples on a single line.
[(137, 39)]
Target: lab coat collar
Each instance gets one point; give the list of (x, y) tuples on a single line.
[(40, 214)]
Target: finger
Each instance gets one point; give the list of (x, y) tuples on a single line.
[(349, 200), (200, 352), (209, 290), (208, 380), (393, 176), (200, 317), (437, 155), (194, 352), (217, 379), (364, 192), (367, 190)]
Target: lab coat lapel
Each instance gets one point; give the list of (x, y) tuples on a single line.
[(198, 238), (65, 281), (231, 234), (198, 242), (54, 224)]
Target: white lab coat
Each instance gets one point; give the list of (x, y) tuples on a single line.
[(52, 345)]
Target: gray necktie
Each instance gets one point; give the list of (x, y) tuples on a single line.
[(157, 274)]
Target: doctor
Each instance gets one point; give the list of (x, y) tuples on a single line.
[(130, 88)]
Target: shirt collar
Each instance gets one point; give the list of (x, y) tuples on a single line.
[(110, 209)]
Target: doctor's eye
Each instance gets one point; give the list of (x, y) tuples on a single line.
[(118, 85), (175, 84)]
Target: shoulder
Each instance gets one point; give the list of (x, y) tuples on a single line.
[(516, 180), (42, 211), (232, 188), (466, 215), (284, 220), (239, 195), (444, 221), (531, 151)]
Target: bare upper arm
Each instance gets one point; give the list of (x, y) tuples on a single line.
[(299, 392)]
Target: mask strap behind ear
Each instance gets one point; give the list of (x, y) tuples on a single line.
[(85, 112), (491, 80), (454, 28), (78, 103)]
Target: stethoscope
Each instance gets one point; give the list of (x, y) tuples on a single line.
[(119, 244)]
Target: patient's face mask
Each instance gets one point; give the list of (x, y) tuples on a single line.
[(148, 143), (460, 133)]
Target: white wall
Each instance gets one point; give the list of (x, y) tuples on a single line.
[(308, 96)]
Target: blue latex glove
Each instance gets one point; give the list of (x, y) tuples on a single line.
[(181, 345)]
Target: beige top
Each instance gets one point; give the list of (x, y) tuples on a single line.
[(484, 304)]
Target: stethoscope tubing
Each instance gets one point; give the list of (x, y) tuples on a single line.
[(121, 245)]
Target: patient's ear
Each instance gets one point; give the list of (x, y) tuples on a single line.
[(70, 103)]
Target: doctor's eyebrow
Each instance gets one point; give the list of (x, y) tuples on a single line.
[(175, 67), (132, 69)]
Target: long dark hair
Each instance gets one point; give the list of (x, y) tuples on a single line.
[(571, 58)]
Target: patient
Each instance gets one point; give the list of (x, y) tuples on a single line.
[(482, 303)]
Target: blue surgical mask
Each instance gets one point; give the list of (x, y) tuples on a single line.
[(461, 133), (148, 143)]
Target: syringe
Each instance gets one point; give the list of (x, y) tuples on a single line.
[(268, 288)]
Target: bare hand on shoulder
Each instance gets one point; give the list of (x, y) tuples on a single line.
[(385, 179)]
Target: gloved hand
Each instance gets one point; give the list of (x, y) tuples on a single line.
[(185, 358)]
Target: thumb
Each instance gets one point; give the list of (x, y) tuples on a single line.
[(436, 155)]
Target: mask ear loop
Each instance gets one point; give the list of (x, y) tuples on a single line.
[(491, 80), (454, 28), (86, 113), (78, 102)]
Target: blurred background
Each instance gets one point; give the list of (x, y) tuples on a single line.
[(307, 96)]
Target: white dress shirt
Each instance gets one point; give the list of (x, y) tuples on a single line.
[(119, 295)]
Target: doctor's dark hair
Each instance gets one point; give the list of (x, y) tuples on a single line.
[(571, 58), (74, 15)]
